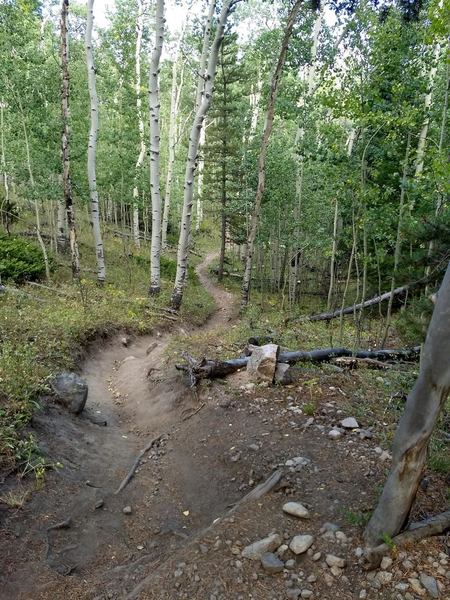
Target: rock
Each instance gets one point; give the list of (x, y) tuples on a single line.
[(71, 390), (125, 341), (127, 510), (402, 587), (293, 593), (383, 577), (300, 543), (296, 509), (386, 563), (429, 583), (350, 423), (416, 587), (297, 462), (365, 434), (257, 549), (341, 537), (271, 563), (254, 447), (311, 579), (336, 571), (334, 434), (283, 374), (262, 362), (290, 564), (282, 549), (363, 594), (99, 503), (317, 556), (306, 593), (335, 561), (326, 527), (384, 456)]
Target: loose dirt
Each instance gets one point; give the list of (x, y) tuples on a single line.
[(178, 539)]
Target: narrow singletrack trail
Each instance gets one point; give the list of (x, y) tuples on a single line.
[(137, 390)]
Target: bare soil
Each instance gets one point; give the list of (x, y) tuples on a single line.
[(179, 541)]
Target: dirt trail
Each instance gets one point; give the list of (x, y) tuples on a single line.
[(140, 396)]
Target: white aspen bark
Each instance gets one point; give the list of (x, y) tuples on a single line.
[(141, 156), (420, 153), (92, 147), (255, 98), (7, 208), (155, 272), (424, 404), (201, 168), (67, 208), (268, 124), (175, 96), (200, 113), (315, 44), (333, 255)]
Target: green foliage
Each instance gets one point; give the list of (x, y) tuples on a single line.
[(359, 518), (20, 260)]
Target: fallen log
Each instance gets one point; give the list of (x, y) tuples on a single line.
[(210, 369)]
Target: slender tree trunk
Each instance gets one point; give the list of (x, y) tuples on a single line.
[(7, 211), (333, 254), (398, 242), (420, 154), (155, 271), (223, 198), (201, 170), (141, 156), (268, 124), (173, 121), (422, 410), (92, 147), (65, 151), (202, 109)]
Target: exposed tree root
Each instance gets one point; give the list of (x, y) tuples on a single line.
[(135, 464), (435, 525)]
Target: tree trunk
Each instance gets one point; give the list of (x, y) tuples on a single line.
[(141, 155), (201, 169), (398, 242), (155, 271), (268, 124), (65, 152), (333, 255), (7, 209), (422, 410), (183, 243), (92, 147), (174, 105)]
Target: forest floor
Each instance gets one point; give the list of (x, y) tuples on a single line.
[(169, 534)]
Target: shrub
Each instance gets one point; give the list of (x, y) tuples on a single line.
[(20, 260)]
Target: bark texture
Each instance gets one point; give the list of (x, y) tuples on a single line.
[(191, 163), (268, 124), (92, 147), (423, 407), (65, 150), (155, 271)]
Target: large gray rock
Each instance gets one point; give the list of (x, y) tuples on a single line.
[(262, 362), (283, 374), (429, 583), (257, 549), (71, 391)]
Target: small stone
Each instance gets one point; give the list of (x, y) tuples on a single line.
[(336, 571), (335, 561), (328, 579), (384, 456), (317, 556), (340, 535), (125, 341), (416, 587), (99, 503), (296, 509), (257, 549), (271, 563), (127, 510), (363, 594), (311, 579), (429, 583), (350, 423), (365, 434), (408, 565), (359, 552), (293, 593), (383, 577), (334, 434), (254, 447), (297, 462), (290, 564), (329, 527), (306, 593), (402, 587), (386, 563), (282, 549), (301, 543)]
